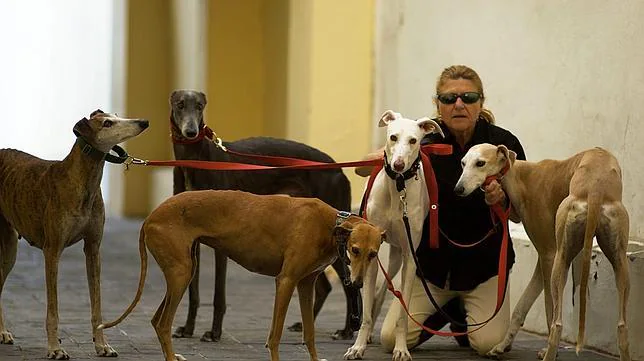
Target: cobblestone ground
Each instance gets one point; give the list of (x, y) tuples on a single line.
[(248, 316)]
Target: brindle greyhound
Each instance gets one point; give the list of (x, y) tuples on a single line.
[(331, 186), (563, 204), (54, 204), (290, 238)]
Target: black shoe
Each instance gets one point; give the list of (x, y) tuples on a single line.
[(457, 312)]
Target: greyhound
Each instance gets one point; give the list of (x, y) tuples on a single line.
[(385, 210), (331, 186), (562, 204), (290, 238), (53, 205)]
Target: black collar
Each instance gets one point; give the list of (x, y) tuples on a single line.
[(342, 248), (401, 178), (94, 153)]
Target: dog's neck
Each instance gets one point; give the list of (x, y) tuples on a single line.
[(91, 168), (401, 178)]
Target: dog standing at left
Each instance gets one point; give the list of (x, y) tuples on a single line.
[(53, 205)]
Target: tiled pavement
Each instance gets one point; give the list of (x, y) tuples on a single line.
[(248, 316)]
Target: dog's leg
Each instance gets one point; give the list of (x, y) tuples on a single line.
[(393, 267), (305, 293), (91, 248), (530, 294), (219, 299), (360, 345), (188, 328), (401, 352), (52, 256), (354, 305), (612, 237), (569, 231), (8, 250), (322, 289), (284, 287), (177, 279)]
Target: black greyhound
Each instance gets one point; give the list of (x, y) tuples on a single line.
[(331, 186)]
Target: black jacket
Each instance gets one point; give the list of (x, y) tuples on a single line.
[(464, 219)]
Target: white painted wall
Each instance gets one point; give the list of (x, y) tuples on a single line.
[(563, 76), (55, 68)]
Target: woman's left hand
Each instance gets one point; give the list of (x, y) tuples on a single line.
[(494, 194)]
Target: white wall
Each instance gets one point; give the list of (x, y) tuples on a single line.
[(55, 68), (561, 76)]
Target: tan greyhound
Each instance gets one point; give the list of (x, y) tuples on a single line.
[(290, 238), (563, 204), (53, 205)]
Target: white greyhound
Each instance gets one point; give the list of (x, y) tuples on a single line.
[(385, 209), (562, 204)]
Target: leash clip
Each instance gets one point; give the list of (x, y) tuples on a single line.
[(403, 200), (133, 160)]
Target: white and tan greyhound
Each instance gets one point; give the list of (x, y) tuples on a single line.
[(562, 204), (385, 209)]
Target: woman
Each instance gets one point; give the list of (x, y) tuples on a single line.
[(452, 272)]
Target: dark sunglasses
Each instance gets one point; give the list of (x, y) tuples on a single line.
[(467, 97)]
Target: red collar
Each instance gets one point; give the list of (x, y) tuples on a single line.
[(178, 138)]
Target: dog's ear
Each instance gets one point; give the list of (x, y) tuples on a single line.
[(203, 98), (383, 237), (173, 96), (387, 117), (430, 126), (506, 153), (97, 111), (82, 128), (343, 230)]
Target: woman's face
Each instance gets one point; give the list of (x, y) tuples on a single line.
[(459, 117)]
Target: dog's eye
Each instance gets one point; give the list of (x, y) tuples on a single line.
[(393, 138), (480, 163), (199, 107), (107, 123), (372, 254), (180, 105), (355, 250), (462, 164), (412, 141)]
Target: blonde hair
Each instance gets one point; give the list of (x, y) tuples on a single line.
[(456, 72)]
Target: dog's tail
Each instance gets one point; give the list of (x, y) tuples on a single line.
[(144, 268), (592, 220)]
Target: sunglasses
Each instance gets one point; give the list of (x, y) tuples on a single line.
[(467, 97)]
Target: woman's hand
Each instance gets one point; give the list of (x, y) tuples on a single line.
[(494, 194), (365, 171)]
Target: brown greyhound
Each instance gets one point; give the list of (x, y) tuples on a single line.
[(562, 204), (290, 238), (53, 205)]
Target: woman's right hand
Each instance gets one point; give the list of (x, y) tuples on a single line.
[(365, 171)]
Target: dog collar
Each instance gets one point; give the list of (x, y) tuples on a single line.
[(401, 178), (342, 248), (94, 153)]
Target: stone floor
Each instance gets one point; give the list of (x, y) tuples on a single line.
[(248, 316)]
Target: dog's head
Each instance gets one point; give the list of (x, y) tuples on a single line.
[(480, 162), (363, 242), (403, 138), (105, 130), (187, 111)]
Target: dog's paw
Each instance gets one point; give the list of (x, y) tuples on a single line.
[(6, 338), (57, 354), (355, 352), (296, 327), (342, 335), (499, 350), (401, 355), (105, 351), (178, 357), (182, 332), (547, 355), (210, 336)]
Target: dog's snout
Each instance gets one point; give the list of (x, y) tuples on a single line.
[(144, 124), (459, 190), (190, 133), (358, 283), (399, 165)]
